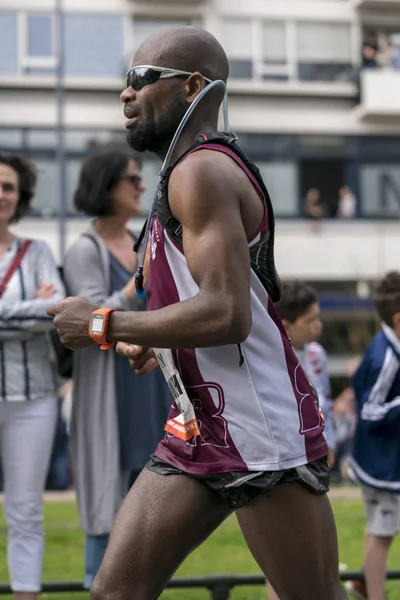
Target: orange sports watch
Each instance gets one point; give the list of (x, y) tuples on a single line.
[(98, 327)]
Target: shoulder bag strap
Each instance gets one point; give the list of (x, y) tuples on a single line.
[(14, 265)]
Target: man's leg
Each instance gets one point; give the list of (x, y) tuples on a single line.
[(163, 518), (271, 592), (291, 534)]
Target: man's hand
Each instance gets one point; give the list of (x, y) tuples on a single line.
[(71, 318), (143, 360)]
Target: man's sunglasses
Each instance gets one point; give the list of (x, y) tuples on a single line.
[(135, 180), (138, 77)]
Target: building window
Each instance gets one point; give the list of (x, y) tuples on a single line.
[(40, 36), (237, 42), (380, 190), (10, 140), (94, 45), (324, 51), (279, 50), (274, 51), (38, 43), (281, 180), (8, 43)]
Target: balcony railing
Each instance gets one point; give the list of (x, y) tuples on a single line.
[(166, 3), (386, 5), (380, 93)]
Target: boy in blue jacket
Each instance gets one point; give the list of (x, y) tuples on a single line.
[(375, 459)]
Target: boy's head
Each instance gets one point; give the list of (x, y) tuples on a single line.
[(387, 300), (300, 313)]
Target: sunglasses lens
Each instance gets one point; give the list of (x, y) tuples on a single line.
[(138, 78), (136, 180)]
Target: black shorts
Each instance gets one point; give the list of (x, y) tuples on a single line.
[(239, 488)]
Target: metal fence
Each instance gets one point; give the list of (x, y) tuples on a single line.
[(219, 586)]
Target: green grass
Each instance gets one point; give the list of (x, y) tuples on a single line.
[(224, 552)]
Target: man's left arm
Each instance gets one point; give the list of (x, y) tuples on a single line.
[(217, 256)]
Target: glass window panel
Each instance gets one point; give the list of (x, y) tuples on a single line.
[(241, 69), (73, 171), (274, 42), (47, 190), (11, 139), (236, 38), (380, 190), (84, 141), (40, 35), (318, 144), (94, 44), (47, 198), (281, 180), (8, 42), (379, 146), (41, 139), (265, 146), (325, 72), (323, 42)]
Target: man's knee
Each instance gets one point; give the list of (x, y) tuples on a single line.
[(100, 591), (103, 588)]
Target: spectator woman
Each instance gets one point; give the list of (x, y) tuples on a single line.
[(117, 417), (29, 282)]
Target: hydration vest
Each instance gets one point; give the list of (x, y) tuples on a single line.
[(261, 253)]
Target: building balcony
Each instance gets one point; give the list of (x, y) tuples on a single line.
[(380, 93), (169, 3), (377, 5)]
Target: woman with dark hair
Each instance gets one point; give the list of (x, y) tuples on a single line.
[(29, 282), (117, 417)]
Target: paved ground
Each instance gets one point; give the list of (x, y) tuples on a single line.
[(336, 493)]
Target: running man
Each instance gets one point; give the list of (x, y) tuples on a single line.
[(248, 420)]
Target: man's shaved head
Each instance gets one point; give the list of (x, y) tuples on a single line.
[(156, 109), (187, 49)]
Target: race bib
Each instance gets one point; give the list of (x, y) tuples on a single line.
[(184, 426)]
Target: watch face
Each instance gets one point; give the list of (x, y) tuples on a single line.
[(97, 324)]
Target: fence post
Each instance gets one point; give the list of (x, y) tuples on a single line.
[(220, 592)]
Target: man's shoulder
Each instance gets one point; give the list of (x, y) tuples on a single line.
[(203, 161), (205, 183)]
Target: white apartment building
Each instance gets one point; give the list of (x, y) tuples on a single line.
[(300, 102)]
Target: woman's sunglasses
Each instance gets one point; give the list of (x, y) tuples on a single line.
[(135, 180), (138, 77)]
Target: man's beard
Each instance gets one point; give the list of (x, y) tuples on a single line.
[(147, 138), (156, 135)]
